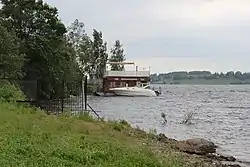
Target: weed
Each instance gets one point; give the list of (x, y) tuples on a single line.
[(188, 118)]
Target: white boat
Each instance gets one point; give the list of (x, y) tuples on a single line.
[(135, 91), (127, 83)]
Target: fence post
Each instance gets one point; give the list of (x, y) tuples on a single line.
[(85, 93), (62, 96), (82, 94)]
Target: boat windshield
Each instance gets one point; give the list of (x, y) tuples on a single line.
[(143, 85), (146, 87)]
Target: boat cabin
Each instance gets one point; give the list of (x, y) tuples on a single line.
[(115, 79)]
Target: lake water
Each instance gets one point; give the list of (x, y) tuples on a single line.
[(221, 114)]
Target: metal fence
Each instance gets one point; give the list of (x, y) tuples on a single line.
[(70, 103)]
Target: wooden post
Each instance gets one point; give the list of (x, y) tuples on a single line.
[(85, 93)]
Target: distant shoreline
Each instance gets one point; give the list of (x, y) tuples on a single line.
[(201, 78), (157, 83)]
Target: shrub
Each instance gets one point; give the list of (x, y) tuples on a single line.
[(10, 92)]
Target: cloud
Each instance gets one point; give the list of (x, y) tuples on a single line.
[(142, 19), (172, 30), (168, 64), (201, 12)]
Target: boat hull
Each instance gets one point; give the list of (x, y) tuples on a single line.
[(133, 92)]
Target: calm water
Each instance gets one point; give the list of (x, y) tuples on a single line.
[(221, 114)]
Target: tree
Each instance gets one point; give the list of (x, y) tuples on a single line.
[(76, 33), (222, 75), (238, 75), (229, 74), (72, 74), (117, 55), (84, 55), (92, 54), (37, 25), (179, 77), (11, 61), (99, 54), (81, 45)]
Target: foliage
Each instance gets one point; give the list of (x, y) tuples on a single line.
[(31, 138), (78, 39), (51, 59), (72, 75), (11, 61), (91, 53), (37, 25), (10, 92), (117, 55), (85, 52), (85, 116), (99, 55), (35, 45), (76, 33)]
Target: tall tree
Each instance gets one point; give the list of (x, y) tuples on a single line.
[(93, 55), (99, 55), (37, 25), (76, 33), (117, 55), (85, 52), (72, 73), (80, 43)]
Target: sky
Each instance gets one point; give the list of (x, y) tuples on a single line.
[(170, 35)]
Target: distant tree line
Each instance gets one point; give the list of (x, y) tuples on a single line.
[(184, 75), (36, 45)]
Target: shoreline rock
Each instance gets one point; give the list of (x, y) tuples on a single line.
[(201, 147), (221, 157), (196, 146)]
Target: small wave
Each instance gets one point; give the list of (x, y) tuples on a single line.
[(216, 97), (206, 101), (246, 162), (204, 91), (235, 107), (239, 91)]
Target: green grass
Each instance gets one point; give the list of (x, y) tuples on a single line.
[(29, 137)]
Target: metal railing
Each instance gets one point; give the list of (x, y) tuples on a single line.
[(127, 73)]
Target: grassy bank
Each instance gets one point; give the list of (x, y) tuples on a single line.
[(28, 137)]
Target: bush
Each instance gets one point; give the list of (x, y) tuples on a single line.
[(10, 92)]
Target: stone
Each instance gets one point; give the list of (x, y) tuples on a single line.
[(221, 157), (163, 138), (196, 146)]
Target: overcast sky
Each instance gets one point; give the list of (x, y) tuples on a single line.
[(170, 35)]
